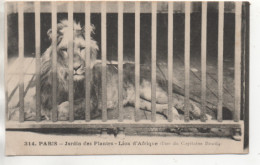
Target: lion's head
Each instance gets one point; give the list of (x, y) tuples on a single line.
[(63, 64), (63, 56)]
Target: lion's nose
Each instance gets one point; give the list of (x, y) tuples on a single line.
[(76, 67)]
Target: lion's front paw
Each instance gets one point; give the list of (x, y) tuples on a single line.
[(175, 114), (63, 111), (195, 110)]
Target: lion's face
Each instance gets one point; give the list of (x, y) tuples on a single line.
[(78, 51), (78, 55)]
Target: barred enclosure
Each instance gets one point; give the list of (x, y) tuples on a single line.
[(120, 9)]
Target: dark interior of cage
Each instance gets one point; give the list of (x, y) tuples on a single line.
[(129, 56)]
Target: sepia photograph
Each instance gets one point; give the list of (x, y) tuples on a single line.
[(126, 77)]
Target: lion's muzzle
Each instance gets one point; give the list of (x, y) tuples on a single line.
[(78, 71)]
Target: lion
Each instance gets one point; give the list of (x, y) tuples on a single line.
[(95, 81)]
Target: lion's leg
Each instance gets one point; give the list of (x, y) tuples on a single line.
[(63, 111), (79, 109), (178, 102), (162, 100), (160, 108)]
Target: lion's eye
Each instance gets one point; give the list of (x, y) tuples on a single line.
[(82, 48), (64, 49)]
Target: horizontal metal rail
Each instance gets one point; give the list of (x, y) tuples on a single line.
[(125, 124), (179, 7)]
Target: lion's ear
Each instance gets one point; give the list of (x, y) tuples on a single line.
[(60, 26), (92, 29), (49, 33)]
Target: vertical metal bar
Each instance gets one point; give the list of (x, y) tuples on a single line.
[(37, 9), (245, 55), (153, 77), (170, 58), (54, 60), (87, 61), (137, 58), (187, 61), (6, 64), (243, 60), (220, 58), (21, 59), (104, 59), (238, 22), (120, 60), (71, 54), (203, 58)]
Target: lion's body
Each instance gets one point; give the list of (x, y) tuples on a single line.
[(96, 77)]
